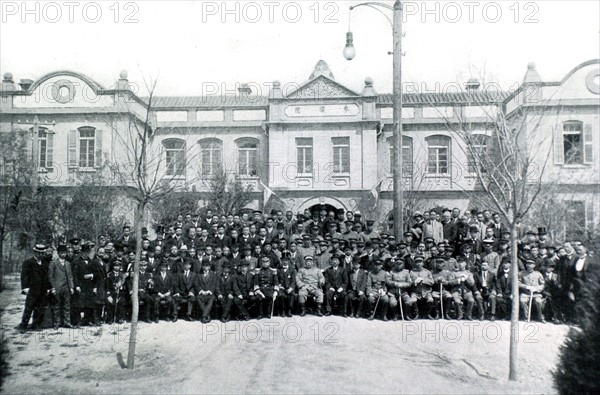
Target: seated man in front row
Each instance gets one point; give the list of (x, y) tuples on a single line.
[(310, 281)]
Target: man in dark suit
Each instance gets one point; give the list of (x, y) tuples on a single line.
[(220, 239), (85, 279), (336, 281), (485, 282), (207, 288), (287, 281), (243, 288), (60, 277), (357, 288), (504, 288), (185, 292), (34, 284), (552, 291), (226, 291), (164, 284)]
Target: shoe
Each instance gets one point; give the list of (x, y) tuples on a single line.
[(345, 315), (175, 319), (302, 311), (56, 326), (289, 314), (156, 320), (371, 318), (385, 318), (482, 317), (319, 314), (246, 318), (260, 317), (493, 318), (395, 317), (68, 326), (468, 318), (351, 315)]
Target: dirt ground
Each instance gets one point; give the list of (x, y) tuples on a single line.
[(291, 355)]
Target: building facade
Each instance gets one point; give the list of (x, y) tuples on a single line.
[(314, 143)]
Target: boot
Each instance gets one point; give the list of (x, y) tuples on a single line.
[(302, 309), (319, 313), (459, 310)]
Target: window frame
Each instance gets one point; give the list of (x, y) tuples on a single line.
[(431, 146), (176, 172), (476, 145), (581, 145), (90, 147), (215, 162), (407, 157), (302, 148), (343, 143), (244, 168)]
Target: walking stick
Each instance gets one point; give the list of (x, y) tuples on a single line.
[(376, 303), (530, 301), (273, 304), (401, 308), (441, 300)]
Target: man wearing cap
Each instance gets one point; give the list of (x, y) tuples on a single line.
[(116, 291), (35, 284), (207, 289), (85, 280), (350, 233), (441, 288), (399, 284), (417, 227), (244, 290), (185, 293), (552, 291), (531, 285), (489, 256), (323, 257), (61, 281), (306, 249), (310, 281), (266, 284), (226, 292), (422, 280), (336, 281), (377, 289), (287, 282)]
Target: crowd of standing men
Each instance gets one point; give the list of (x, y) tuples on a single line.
[(253, 265)]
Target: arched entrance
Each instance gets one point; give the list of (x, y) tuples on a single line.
[(316, 209), (318, 202)]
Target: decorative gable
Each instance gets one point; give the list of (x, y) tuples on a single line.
[(322, 87)]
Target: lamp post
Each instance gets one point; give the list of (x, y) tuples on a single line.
[(349, 54)]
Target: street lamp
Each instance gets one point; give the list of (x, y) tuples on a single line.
[(349, 54)]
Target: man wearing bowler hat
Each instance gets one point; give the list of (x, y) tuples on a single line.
[(61, 280), (34, 284)]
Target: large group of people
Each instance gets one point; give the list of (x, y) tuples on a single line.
[(254, 265)]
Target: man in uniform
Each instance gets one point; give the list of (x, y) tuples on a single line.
[(61, 281), (310, 281), (489, 256), (422, 283), (336, 281), (463, 289), (399, 284), (243, 288), (266, 284), (115, 294), (441, 293), (287, 282), (34, 284), (377, 289)]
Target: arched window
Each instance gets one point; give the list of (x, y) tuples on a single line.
[(211, 156), (438, 155), (174, 157), (477, 150), (247, 153)]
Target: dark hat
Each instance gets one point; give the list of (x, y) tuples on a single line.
[(408, 234), (39, 248), (378, 262), (529, 262), (305, 236), (257, 212), (144, 230), (335, 257), (75, 241), (61, 248), (505, 259), (418, 258), (243, 263), (429, 239), (473, 229), (341, 210), (315, 227), (542, 231), (348, 221), (531, 232), (370, 222), (504, 241), (160, 228), (86, 247), (402, 245), (280, 225), (550, 247), (357, 214)]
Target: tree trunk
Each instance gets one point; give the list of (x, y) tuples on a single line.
[(514, 316), (1, 259), (141, 208)]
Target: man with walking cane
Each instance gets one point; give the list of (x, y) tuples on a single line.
[(531, 285), (377, 288), (266, 283), (442, 278), (399, 283), (310, 281)]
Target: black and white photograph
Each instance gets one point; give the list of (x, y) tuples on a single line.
[(306, 197)]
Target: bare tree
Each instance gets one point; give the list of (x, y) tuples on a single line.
[(509, 176), (226, 192)]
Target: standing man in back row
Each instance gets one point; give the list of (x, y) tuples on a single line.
[(34, 284)]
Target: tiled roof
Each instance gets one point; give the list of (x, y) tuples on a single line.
[(479, 97), (208, 101)]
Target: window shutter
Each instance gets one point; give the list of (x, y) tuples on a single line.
[(559, 151), (589, 215), (588, 146), (72, 148), (98, 153), (49, 149)]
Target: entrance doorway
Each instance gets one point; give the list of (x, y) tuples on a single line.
[(316, 209)]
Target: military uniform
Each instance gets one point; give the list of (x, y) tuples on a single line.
[(421, 288), (531, 285), (441, 279), (377, 290), (399, 284), (266, 282), (309, 282), (116, 291), (463, 289)]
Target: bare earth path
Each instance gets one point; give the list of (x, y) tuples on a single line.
[(291, 355)]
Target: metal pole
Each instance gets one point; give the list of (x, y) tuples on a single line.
[(398, 195)]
